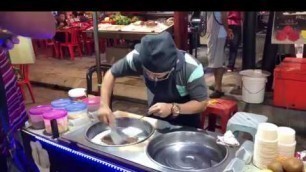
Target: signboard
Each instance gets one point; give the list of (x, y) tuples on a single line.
[(289, 27), (22, 53)]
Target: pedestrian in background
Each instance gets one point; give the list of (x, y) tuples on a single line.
[(234, 21), (217, 33)]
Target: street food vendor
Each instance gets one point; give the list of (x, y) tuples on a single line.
[(174, 79)]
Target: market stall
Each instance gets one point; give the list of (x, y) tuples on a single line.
[(69, 131), (75, 140), (83, 147)]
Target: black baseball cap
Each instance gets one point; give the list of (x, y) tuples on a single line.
[(158, 53)]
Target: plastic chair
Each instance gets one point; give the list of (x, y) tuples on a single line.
[(35, 46), (93, 69), (87, 42), (71, 41), (52, 43), (219, 108), (24, 80), (245, 122)]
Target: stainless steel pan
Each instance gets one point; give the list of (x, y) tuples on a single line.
[(137, 129)]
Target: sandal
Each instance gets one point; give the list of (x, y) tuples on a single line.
[(216, 94)]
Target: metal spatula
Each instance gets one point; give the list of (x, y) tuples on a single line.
[(117, 135)]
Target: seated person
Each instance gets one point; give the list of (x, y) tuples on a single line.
[(61, 22), (74, 17), (82, 17)]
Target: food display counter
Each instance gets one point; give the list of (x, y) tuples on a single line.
[(118, 26), (129, 32), (165, 148)]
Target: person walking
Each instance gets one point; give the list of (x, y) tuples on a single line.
[(234, 21), (217, 31)]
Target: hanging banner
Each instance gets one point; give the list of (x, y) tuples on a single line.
[(289, 27)]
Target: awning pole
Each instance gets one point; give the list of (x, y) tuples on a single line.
[(97, 49)]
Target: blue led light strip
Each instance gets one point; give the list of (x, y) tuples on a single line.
[(83, 155)]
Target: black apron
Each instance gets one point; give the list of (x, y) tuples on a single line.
[(166, 92)]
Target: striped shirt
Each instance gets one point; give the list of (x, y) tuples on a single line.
[(15, 105)]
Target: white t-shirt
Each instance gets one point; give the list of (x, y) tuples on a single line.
[(222, 32)]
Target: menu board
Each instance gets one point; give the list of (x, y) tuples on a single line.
[(289, 27)]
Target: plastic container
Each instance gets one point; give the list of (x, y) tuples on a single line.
[(36, 116), (61, 118), (236, 165), (289, 77), (253, 85), (60, 103), (245, 152), (79, 122), (77, 94), (76, 110), (93, 103)]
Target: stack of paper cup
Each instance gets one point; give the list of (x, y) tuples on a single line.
[(266, 145), (286, 141)]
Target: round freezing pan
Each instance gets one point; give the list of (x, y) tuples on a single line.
[(187, 151), (132, 127)]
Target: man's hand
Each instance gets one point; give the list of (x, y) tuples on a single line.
[(162, 110), (106, 115), (9, 43), (230, 34)]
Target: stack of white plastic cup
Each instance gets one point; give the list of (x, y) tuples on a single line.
[(286, 141), (265, 145)]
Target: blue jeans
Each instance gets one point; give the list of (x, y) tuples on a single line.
[(234, 45)]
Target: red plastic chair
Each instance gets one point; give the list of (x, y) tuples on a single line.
[(102, 45), (71, 41), (24, 80), (52, 43), (35, 46), (219, 108), (87, 42)]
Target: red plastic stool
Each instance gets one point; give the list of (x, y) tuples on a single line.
[(219, 108), (24, 71)]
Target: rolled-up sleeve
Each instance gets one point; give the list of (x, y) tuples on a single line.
[(196, 86), (126, 66)]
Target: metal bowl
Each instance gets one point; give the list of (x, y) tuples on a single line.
[(132, 127), (186, 151)]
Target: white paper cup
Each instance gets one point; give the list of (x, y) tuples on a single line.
[(267, 131), (287, 150), (286, 135), (265, 142), (264, 152)]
